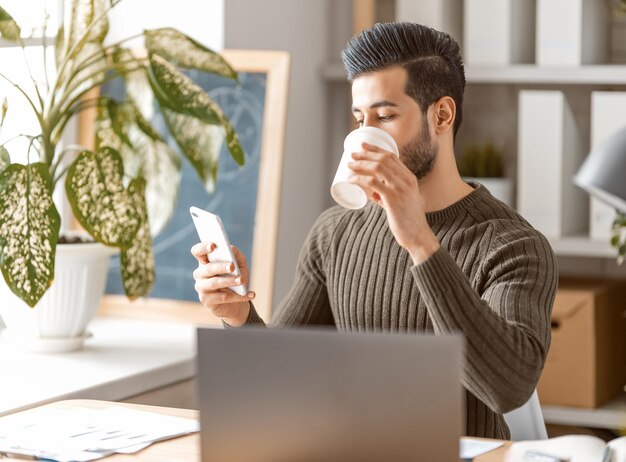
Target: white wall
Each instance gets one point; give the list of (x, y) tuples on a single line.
[(201, 19), (300, 27)]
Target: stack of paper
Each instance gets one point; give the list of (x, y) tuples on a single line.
[(80, 434)]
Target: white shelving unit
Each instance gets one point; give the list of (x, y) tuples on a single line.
[(607, 74), (532, 74)]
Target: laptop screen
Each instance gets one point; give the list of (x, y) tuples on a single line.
[(317, 395)]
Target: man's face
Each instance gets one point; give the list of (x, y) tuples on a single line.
[(379, 100)]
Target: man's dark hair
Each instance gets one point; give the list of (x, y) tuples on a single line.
[(432, 60)]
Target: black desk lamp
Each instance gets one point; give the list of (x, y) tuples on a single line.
[(603, 176)]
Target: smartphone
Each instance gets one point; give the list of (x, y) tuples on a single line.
[(211, 229)]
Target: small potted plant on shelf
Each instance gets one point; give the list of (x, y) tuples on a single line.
[(121, 193), (484, 164), (618, 236)]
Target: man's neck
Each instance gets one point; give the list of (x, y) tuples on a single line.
[(443, 186)]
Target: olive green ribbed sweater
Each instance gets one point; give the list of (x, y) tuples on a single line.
[(494, 279)]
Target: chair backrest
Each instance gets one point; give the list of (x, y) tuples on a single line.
[(526, 422)]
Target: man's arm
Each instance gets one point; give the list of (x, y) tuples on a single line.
[(507, 326), (307, 302)]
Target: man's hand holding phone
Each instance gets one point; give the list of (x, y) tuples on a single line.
[(222, 275)]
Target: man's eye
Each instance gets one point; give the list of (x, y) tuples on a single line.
[(385, 118)]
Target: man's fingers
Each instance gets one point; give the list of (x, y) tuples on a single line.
[(201, 250), (212, 269), (216, 283), (240, 257), (374, 188), (224, 296), (371, 168)]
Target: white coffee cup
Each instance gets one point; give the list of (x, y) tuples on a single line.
[(347, 194)]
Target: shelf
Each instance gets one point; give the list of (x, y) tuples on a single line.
[(591, 74), (611, 415), (606, 74), (581, 246)]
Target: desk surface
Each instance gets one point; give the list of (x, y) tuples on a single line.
[(123, 358), (185, 448)]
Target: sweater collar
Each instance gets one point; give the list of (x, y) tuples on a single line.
[(459, 207)]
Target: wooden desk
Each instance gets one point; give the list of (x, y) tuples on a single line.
[(182, 449)]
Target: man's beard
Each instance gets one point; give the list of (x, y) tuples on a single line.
[(419, 155)]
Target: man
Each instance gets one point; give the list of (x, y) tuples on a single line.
[(429, 253)]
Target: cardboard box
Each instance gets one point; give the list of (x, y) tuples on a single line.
[(550, 151), (586, 363)]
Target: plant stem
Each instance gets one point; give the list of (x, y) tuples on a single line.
[(75, 47), (45, 49), (42, 123), (67, 115), (30, 72), (55, 116), (115, 68), (63, 88), (71, 147)]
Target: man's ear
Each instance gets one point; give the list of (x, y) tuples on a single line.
[(444, 111)]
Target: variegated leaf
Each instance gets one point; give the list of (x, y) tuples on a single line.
[(162, 167), (29, 230), (183, 51), (59, 47), (108, 136), (137, 85), (5, 159), (88, 74), (122, 117), (9, 30), (4, 107), (79, 17), (137, 261), (145, 154), (200, 143), (102, 205), (177, 93)]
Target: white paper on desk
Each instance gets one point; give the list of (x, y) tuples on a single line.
[(471, 448), (81, 434)]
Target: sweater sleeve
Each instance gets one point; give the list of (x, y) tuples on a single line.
[(307, 302), (506, 322)]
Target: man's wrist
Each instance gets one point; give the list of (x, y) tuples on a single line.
[(239, 320), (422, 251)]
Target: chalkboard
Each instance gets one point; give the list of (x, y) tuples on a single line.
[(246, 198), (234, 198)]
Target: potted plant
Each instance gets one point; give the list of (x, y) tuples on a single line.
[(122, 192), (484, 164)]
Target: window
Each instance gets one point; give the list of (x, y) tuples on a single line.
[(20, 120)]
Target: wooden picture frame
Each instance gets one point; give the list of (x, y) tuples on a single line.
[(275, 64)]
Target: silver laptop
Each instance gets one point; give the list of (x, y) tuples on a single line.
[(320, 396)]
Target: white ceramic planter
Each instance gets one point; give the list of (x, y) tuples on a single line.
[(59, 321), (500, 188)]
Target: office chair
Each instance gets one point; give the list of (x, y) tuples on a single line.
[(526, 422)]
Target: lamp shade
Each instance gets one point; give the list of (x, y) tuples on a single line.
[(603, 174)]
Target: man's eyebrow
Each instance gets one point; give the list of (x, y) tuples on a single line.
[(383, 103)]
